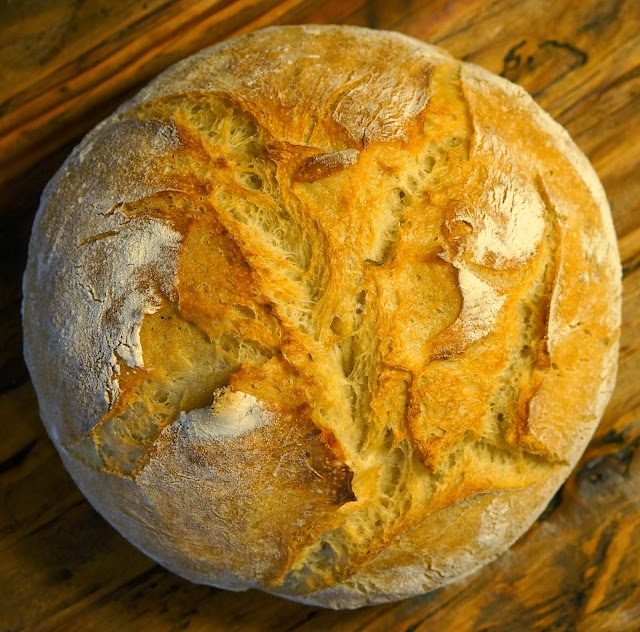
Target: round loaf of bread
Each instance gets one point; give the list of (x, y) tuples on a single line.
[(325, 312)]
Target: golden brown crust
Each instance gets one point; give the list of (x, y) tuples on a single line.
[(399, 285)]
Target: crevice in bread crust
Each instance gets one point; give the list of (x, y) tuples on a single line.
[(530, 359)]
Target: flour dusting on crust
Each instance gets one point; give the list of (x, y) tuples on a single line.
[(231, 414), (118, 292), (107, 269), (480, 306), (509, 230)]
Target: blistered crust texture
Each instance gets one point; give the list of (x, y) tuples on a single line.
[(325, 312)]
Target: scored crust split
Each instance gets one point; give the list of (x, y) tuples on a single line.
[(324, 312)]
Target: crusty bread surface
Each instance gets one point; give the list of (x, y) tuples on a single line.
[(325, 312)]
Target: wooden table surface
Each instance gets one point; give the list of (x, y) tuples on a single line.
[(64, 65)]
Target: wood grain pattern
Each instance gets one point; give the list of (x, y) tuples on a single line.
[(64, 64)]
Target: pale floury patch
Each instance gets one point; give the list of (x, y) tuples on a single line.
[(231, 414)]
